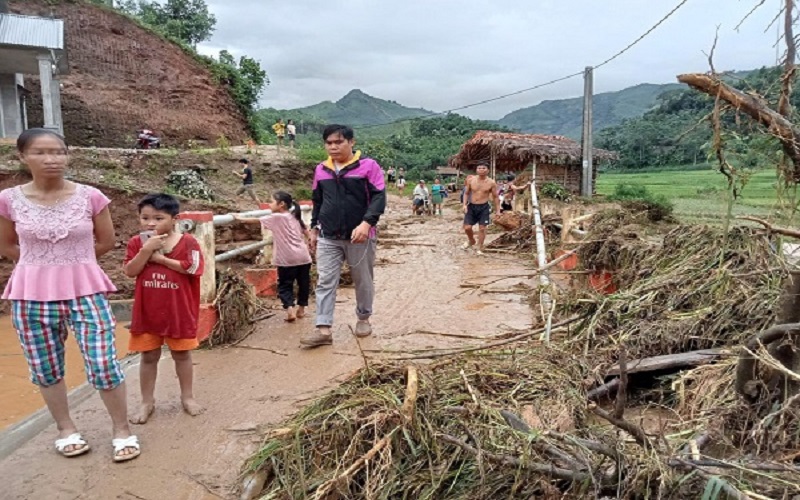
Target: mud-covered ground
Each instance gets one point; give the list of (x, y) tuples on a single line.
[(420, 280)]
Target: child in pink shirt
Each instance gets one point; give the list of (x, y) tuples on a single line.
[(289, 252), (55, 229)]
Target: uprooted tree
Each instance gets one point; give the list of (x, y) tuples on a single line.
[(782, 341)]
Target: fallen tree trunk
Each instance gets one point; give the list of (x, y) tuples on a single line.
[(756, 108), (670, 361)]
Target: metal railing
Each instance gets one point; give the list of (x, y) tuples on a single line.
[(221, 220)]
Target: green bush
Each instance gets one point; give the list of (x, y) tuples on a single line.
[(555, 191), (301, 192), (658, 207), (708, 189), (311, 154)]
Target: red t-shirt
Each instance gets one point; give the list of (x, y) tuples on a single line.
[(167, 302)]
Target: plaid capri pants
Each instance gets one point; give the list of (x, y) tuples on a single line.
[(43, 327)]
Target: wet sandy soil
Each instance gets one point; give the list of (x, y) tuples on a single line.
[(19, 397), (419, 280)]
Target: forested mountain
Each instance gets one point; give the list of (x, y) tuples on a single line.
[(565, 116), (357, 108)]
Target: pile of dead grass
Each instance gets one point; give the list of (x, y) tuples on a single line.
[(689, 289), (236, 305), (380, 435), (499, 424), (768, 428)]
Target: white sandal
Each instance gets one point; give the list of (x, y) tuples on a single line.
[(74, 439), (120, 444)]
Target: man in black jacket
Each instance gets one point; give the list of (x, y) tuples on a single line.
[(349, 197)]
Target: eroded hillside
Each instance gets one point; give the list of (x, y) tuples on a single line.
[(123, 77)]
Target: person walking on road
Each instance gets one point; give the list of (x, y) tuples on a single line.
[(246, 174), (55, 230), (349, 197), (480, 189), (438, 194)]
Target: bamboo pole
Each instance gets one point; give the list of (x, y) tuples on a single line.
[(541, 259)]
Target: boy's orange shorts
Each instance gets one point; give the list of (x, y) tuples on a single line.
[(141, 342)]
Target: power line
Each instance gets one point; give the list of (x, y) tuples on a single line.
[(653, 28), (545, 84)]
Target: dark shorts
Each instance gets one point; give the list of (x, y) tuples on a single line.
[(291, 137), (506, 206), (478, 214), (391, 177), (418, 202)]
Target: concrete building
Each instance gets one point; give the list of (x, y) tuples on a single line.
[(30, 46)]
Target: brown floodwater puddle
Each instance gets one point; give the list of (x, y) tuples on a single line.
[(19, 396)]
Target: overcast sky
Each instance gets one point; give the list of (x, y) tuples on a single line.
[(441, 54)]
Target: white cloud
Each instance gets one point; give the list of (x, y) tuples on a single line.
[(444, 54)]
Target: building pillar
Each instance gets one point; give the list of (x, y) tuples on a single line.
[(56, 95), (2, 115), (10, 109), (48, 100)]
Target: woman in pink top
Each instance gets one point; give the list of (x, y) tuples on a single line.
[(289, 252), (55, 229)]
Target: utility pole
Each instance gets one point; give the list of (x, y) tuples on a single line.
[(588, 167)]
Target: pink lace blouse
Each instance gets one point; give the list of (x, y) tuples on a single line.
[(56, 243)]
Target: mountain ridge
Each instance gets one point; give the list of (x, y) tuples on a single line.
[(359, 108)]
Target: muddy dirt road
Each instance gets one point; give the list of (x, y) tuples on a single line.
[(419, 281)]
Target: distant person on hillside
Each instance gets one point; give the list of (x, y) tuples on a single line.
[(480, 189), (280, 130), (291, 131), (246, 174), (167, 266), (390, 175), (401, 184), (54, 230), (349, 199)]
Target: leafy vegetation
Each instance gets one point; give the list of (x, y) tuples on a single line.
[(419, 145), (186, 20), (674, 132), (426, 143), (657, 206), (555, 191)]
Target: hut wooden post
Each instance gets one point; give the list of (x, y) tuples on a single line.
[(541, 258), (492, 159)]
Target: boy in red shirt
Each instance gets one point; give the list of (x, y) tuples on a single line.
[(167, 266)]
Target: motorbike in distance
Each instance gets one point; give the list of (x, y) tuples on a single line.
[(147, 139)]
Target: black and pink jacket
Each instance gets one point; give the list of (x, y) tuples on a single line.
[(345, 199)]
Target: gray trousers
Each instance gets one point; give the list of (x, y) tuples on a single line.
[(331, 254)]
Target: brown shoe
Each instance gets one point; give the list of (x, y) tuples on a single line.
[(316, 339), (363, 328)]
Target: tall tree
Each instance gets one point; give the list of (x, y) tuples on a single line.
[(185, 20)]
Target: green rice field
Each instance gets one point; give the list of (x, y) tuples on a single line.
[(700, 195)]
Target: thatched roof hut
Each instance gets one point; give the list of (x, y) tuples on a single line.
[(557, 158), (514, 152)]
